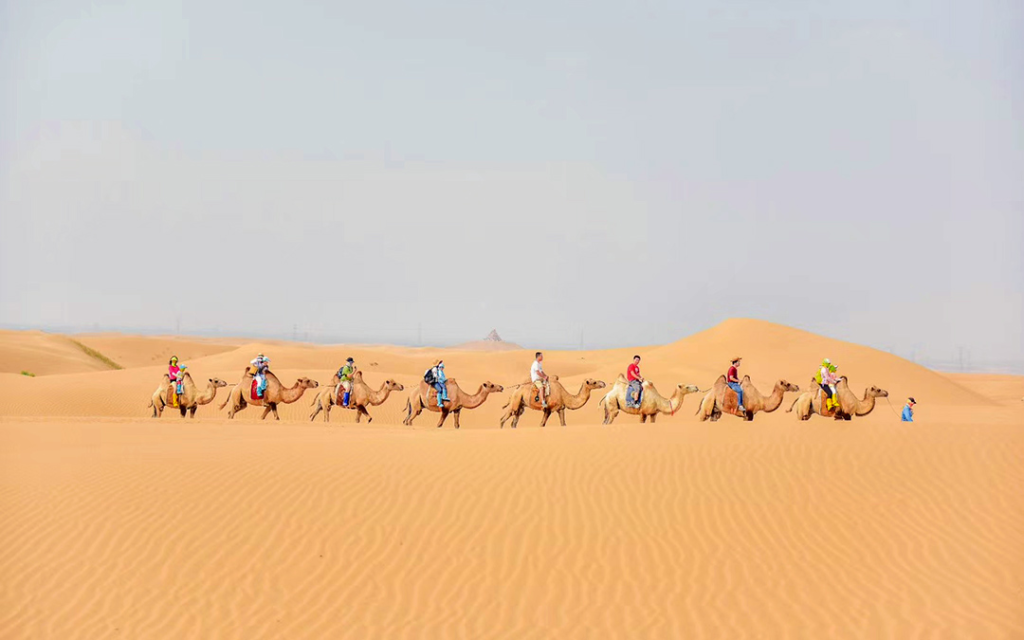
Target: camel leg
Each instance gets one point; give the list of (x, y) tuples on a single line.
[(610, 413), (456, 415), (415, 408), (273, 407), (515, 417), (315, 411), (361, 411), (327, 411), (444, 415), (654, 417), (192, 411), (544, 418), (561, 415), (183, 409), (266, 410)]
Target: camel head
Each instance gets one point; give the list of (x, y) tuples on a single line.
[(217, 382), (490, 387), (306, 383), (875, 392), (590, 383), (787, 386), (393, 386), (688, 388)]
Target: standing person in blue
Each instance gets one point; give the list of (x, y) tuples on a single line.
[(908, 410), (732, 378), (435, 376)]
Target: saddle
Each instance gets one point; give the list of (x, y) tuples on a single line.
[(535, 395), (730, 402), (634, 391), (432, 397)]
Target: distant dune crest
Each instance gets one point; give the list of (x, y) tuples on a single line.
[(491, 342)]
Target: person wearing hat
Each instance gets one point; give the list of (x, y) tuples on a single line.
[(827, 380), (260, 365), (345, 374), (732, 378), (173, 371), (908, 410), (440, 383)]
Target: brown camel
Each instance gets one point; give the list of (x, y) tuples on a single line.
[(275, 394), (362, 397), (558, 401), (425, 397), (189, 400), (721, 399), (651, 402), (850, 405)]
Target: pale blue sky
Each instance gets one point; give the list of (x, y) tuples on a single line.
[(633, 171)]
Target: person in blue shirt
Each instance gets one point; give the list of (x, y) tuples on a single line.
[(908, 410), (440, 382)]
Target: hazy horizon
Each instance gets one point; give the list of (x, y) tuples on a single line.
[(551, 171)]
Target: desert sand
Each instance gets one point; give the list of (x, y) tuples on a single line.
[(118, 525)]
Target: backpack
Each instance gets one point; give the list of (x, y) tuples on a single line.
[(429, 377)]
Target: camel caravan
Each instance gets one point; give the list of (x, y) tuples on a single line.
[(829, 396)]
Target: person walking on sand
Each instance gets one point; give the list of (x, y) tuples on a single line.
[(732, 378), (539, 378), (908, 410), (345, 374), (636, 382)]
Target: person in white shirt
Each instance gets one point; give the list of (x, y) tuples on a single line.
[(539, 378)]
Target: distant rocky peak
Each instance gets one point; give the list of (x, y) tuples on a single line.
[(493, 336)]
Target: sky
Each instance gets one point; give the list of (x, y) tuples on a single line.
[(596, 173)]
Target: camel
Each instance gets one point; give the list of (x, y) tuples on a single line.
[(850, 405), (275, 394), (362, 396), (425, 397), (189, 400), (558, 401), (651, 402), (721, 399)]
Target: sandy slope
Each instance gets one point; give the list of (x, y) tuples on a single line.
[(43, 354), (116, 525), (141, 529)]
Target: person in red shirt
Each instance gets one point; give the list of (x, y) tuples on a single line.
[(732, 378), (635, 387)]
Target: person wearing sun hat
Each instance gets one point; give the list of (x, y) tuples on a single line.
[(173, 372), (908, 410), (732, 378)]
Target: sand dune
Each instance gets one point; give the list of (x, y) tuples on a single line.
[(116, 525)]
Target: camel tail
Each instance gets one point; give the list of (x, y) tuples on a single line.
[(225, 403), (790, 409)]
